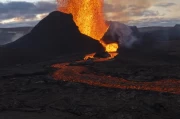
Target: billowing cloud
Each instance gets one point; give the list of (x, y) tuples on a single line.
[(142, 12), (125, 10), (17, 12), (166, 4), (132, 12)]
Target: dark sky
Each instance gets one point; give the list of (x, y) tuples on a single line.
[(131, 12)]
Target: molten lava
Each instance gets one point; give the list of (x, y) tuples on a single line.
[(74, 74), (112, 47), (88, 16)]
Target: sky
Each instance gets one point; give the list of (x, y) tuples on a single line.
[(17, 13)]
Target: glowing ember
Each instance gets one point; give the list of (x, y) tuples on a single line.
[(88, 16), (89, 56)]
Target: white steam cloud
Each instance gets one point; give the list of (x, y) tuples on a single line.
[(122, 34)]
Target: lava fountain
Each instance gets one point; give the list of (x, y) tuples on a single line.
[(88, 16)]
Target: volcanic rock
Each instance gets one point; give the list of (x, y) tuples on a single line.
[(135, 31), (82, 63), (174, 32), (102, 55), (57, 34)]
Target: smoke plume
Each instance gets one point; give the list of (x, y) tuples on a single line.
[(121, 33)]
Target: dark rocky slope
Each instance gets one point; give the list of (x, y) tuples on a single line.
[(55, 35)]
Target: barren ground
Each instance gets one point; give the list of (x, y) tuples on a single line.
[(89, 89)]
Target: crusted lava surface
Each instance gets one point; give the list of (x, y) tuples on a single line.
[(29, 91), (135, 84)]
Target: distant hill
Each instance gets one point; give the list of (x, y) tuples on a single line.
[(16, 29), (152, 28), (161, 33), (8, 35)]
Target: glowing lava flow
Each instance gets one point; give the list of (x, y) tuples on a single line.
[(112, 47), (74, 74), (88, 16)]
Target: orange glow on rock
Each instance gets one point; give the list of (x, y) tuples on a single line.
[(74, 74)]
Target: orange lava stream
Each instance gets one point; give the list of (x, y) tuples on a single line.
[(74, 74), (88, 16)]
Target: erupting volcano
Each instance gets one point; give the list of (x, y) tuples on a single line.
[(70, 66), (88, 16)]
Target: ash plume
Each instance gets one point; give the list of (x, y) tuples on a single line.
[(120, 33)]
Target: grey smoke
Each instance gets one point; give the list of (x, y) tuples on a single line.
[(121, 33), (16, 36)]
